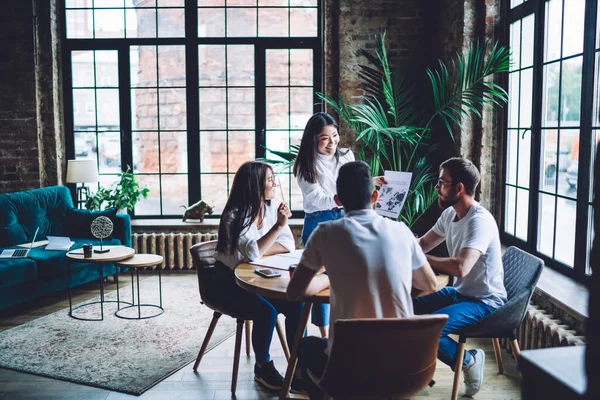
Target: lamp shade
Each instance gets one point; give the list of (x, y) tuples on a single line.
[(82, 171)]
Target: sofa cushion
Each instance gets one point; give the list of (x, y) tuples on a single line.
[(16, 270), (78, 222), (54, 262), (22, 213)]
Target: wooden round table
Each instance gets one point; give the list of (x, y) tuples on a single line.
[(136, 263), (116, 253), (275, 288)]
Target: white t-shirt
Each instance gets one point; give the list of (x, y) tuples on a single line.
[(369, 260), (247, 248), (476, 230), (318, 196)]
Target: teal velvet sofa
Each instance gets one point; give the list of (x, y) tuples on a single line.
[(45, 271)]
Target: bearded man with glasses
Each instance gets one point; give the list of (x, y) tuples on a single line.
[(475, 259)]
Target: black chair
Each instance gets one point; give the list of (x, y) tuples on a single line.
[(375, 358), (521, 273), (204, 261)]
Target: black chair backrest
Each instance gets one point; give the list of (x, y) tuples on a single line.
[(384, 357), (521, 271), (203, 255)]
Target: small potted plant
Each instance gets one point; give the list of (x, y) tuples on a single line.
[(122, 195)]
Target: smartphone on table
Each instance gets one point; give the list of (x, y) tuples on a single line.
[(267, 272)]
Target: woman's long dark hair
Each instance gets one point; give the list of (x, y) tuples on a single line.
[(304, 166), (245, 199)]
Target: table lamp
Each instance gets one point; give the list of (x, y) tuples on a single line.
[(82, 171)]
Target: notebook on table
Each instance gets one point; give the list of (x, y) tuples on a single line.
[(19, 253)]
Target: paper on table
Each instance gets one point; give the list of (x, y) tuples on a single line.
[(59, 243), (393, 193), (280, 261)]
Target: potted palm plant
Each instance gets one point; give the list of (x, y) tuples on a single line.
[(395, 117), (122, 195)]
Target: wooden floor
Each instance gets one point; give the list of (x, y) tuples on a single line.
[(214, 375)]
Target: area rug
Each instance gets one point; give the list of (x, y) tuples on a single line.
[(128, 356)]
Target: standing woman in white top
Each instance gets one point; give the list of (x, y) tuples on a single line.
[(252, 226), (316, 169)]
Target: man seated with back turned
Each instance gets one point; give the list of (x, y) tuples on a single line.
[(473, 242), (371, 264)]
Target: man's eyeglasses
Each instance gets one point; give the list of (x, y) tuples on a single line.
[(442, 182)]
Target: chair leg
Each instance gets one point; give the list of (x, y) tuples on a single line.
[(460, 355), (516, 350), (209, 333), (248, 326), (498, 354), (236, 355), (282, 339)]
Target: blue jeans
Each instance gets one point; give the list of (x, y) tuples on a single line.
[(249, 306), (462, 311), (320, 312)]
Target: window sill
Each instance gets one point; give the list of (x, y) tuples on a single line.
[(564, 293)]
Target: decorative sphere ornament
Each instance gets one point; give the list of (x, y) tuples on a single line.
[(101, 228)]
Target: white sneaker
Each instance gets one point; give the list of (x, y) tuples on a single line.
[(474, 374)]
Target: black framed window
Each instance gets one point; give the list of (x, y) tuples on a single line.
[(552, 130), (185, 91)]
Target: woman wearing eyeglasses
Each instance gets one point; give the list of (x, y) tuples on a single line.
[(252, 226)]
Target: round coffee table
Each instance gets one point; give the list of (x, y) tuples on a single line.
[(116, 253), (137, 262)]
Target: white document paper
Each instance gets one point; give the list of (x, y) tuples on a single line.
[(280, 261), (392, 195), (59, 243)]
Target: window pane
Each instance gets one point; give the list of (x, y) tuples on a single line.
[(524, 160), (214, 189), (550, 160), (241, 3), (574, 169), (213, 151), (150, 205), (170, 3), (144, 109), (108, 3), (241, 22), (272, 3), (301, 67), (574, 22), (107, 69), (82, 67), (301, 106), (108, 109), (564, 247), (85, 145), (514, 3), (145, 152), (174, 193), (278, 108), (526, 100), (240, 65), (109, 152), (140, 23), (522, 213), (511, 156), (171, 65), (211, 22), (84, 109), (303, 3), (515, 45), (527, 51), (303, 22), (513, 99), (273, 22), (546, 225), (213, 108), (207, 3), (172, 109), (241, 148), (553, 29), (171, 22), (510, 207), (571, 92), (109, 24), (596, 93), (550, 102), (143, 66), (79, 24), (211, 65), (277, 67), (173, 153), (588, 267), (568, 150), (240, 108)]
